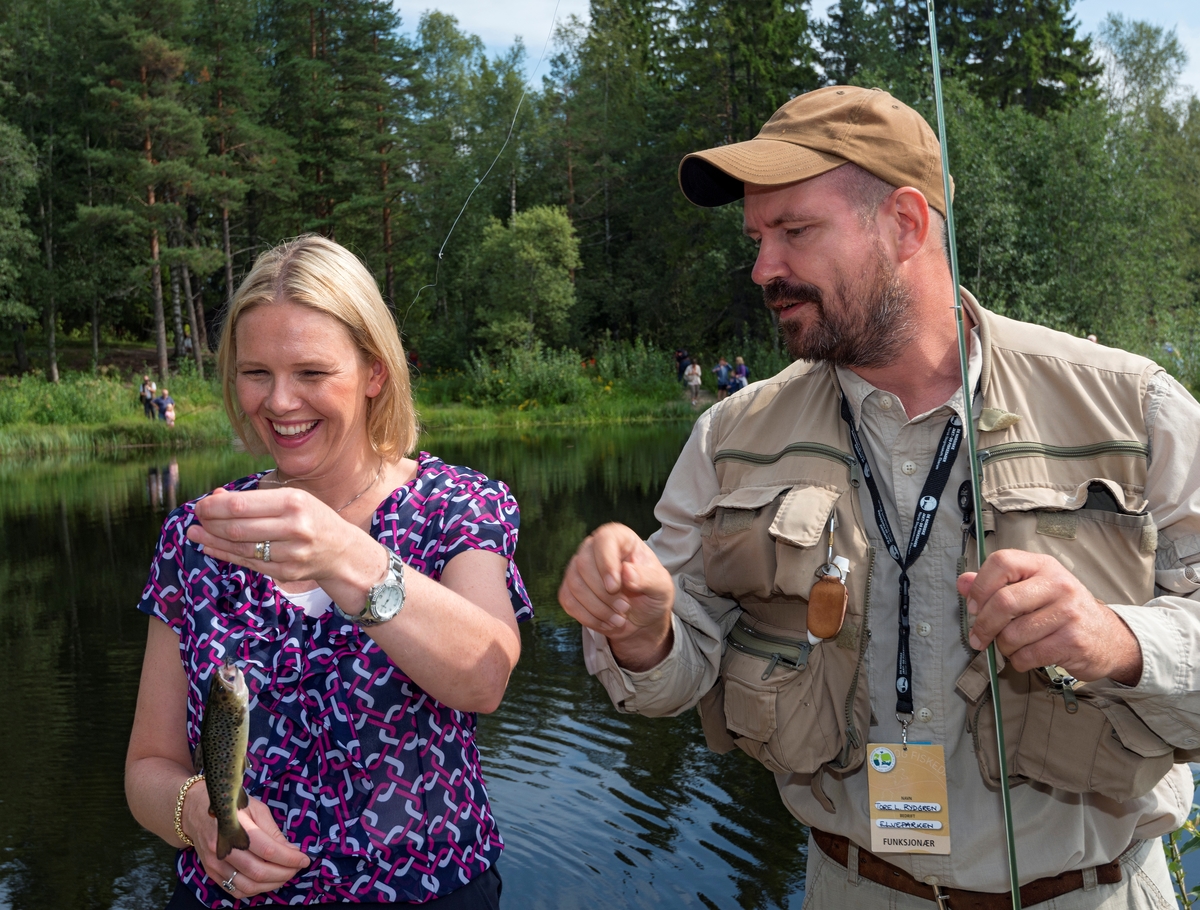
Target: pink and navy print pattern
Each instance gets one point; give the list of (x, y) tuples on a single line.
[(375, 780)]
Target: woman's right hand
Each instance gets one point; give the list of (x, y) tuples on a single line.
[(269, 863)]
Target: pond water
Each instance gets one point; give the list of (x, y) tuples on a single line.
[(597, 808)]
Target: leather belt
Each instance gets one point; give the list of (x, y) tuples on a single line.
[(874, 869)]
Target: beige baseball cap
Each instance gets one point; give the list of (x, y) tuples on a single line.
[(816, 132)]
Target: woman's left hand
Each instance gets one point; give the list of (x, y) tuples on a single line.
[(308, 540)]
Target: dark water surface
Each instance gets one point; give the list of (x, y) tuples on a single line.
[(597, 809)]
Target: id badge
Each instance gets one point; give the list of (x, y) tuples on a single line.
[(907, 787)]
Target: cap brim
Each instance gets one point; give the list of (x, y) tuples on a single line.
[(718, 176)]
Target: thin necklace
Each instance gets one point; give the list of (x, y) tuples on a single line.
[(353, 499)]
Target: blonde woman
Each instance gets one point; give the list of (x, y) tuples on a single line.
[(370, 599)]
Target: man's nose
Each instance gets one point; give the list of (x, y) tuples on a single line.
[(770, 264)]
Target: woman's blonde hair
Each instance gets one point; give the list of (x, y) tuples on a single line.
[(313, 271)]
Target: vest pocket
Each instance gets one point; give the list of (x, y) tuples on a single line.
[(739, 557), (1101, 747), (769, 700), (1090, 528), (792, 706), (800, 527)]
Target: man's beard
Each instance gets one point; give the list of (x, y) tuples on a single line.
[(867, 327)]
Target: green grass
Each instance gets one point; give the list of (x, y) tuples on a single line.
[(101, 414)]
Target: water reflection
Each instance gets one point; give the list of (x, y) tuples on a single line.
[(163, 484), (596, 808)]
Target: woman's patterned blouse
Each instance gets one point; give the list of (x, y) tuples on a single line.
[(379, 783)]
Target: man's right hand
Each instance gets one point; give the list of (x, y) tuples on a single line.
[(616, 586)]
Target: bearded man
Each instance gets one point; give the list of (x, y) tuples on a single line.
[(811, 588)]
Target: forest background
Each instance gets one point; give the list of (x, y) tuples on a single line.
[(150, 149)]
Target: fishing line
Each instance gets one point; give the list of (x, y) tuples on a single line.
[(478, 183)]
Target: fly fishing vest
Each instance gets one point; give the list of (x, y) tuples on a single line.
[(1063, 447)]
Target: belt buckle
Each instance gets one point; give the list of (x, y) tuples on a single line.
[(943, 899)]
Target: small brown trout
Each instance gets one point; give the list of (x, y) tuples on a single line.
[(221, 755)]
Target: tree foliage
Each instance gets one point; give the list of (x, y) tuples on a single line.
[(150, 150)]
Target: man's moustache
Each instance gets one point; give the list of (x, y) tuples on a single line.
[(779, 294)]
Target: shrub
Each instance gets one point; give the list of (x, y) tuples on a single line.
[(639, 369), (78, 398), (527, 377)]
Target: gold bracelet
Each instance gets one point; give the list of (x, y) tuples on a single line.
[(183, 792)]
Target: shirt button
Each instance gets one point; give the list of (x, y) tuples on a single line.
[(886, 403), (924, 715), (656, 675), (909, 467), (931, 879), (924, 628)]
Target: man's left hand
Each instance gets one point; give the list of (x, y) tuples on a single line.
[(1040, 614)]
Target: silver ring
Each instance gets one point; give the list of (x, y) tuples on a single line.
[(228, 883), (259, 549), (266, 557)]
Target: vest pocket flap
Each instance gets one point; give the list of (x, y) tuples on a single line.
[(803, 516), (1133, 733), (1097, 494), (750, 710), (975, 680), (1029, 499), (748, 498)]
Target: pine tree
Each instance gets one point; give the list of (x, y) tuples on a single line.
[(375, 69), (154, 146), (1010, 52), (232, 90)]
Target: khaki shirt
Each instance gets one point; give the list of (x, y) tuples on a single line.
[(1056, 831)]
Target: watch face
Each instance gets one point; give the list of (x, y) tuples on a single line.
[(386, 601)]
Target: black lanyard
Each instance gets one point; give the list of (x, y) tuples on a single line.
[(927, 506)]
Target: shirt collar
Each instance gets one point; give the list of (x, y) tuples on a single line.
[(857, 390)]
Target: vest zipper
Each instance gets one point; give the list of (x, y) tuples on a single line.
[(774, 649), (964, 625), (853, 740), (796, 448), (1130, 447), (987, 696), (1060, 682)]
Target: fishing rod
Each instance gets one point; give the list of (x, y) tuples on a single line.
[(976, 470)]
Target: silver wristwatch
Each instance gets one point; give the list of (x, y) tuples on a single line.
[(385, 599)]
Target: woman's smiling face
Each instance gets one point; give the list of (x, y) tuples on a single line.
[(304, 386)]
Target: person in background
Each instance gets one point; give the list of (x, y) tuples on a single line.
[(169, 413), (1092, 339), (147, 393), (682, 361), (724, 373), (370, 599), (692, 375), (741, 375), (164, 401)]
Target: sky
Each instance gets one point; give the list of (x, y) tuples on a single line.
[(497, 23)]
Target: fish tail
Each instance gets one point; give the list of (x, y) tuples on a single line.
[(228, 840)]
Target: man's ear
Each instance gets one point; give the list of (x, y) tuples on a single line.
[(906, 221)]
